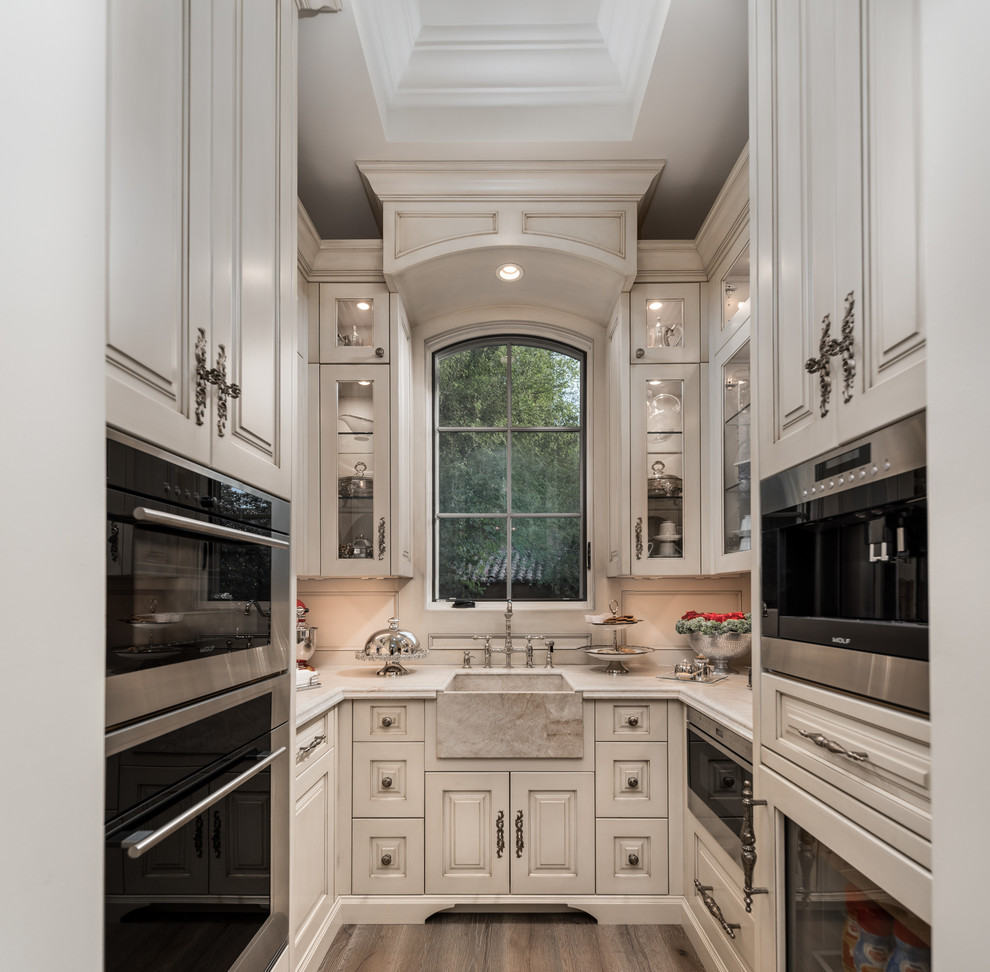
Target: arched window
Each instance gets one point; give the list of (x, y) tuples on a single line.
[(509, 458)]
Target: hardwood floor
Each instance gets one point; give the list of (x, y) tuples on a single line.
[(511, 943)]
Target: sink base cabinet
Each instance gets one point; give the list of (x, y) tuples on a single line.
[(492, 833)]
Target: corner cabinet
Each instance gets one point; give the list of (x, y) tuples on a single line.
[(841, 332), (365, 516), (201, 231)]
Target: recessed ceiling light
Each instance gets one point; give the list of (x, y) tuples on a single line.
[(509, 271), (655, 305), (364, 382), (363, 305)]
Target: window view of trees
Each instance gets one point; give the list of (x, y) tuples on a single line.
[(509, 446)]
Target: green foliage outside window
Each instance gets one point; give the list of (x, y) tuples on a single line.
[(509, 444)]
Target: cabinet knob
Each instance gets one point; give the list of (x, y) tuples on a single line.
[(632, 721), (386, 721), (634, 860), (379, 352), (632, 782), (386, 782), (640, 352), (386, 860)]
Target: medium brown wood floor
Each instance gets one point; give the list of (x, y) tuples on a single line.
[(511, 943)]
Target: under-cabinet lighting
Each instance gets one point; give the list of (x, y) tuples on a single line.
[(363, 305), (364, 382), (655, 304), (509, 271)]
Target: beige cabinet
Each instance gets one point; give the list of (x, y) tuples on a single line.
[(665, 323), (354, 324), (312, 864), (364, 516), (496, 833), (201, 232), (841, 333)]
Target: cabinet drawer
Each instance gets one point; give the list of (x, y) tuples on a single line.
[(891, 768), (631, 779), (388, 780), (376, 721), (314, 739), (387, 857), (615, 721), (631, 856), (735, 946)]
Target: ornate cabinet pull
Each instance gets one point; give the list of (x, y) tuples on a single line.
[(632, 721), (311, 745), (198, 836), (500, 834), (713, 909), (386, 782), (833, 747), (381, 538), (633, 860), (519, 834), (639, 538), (386, 721), (386, 860), (632, 782), (113, 541), (829, 347), (747, 838), (215, 840), (213, 376)]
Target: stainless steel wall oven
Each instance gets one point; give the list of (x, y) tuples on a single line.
[(197, 703), (845, 568)]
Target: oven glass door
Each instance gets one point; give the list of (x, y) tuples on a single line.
[(837, 919), (715, 783), (189, 843)]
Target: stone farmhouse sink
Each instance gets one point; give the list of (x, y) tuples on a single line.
[(509, 715)]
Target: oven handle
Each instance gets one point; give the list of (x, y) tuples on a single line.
[(141, 841), (158, 518)]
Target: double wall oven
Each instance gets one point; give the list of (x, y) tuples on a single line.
[(197, 705)]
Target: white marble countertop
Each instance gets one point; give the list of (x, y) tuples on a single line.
[(728, 701)]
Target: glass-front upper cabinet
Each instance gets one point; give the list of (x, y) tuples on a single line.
[(355, 479), (665, 323), (666, 468), (730, 291), (733, 369), (354, 323)]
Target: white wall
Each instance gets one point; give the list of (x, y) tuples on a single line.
[(52, 490), (955, 77)]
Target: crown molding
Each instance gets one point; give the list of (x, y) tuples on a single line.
[(664, 261), (729, 213)]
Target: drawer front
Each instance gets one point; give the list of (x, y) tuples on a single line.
[(632, 721), (388, 780), (387, 857), (314, 739), (376, 721), (877, 755), (631, 779), (631, 856), (719, 895)]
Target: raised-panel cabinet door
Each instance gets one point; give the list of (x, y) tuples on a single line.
[(468, 835), (553, 820), (252, 318), (158, 220)]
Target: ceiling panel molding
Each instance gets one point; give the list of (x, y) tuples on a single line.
[(602, 231), (414, 231)]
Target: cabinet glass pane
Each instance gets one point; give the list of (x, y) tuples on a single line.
[(355, 468), (665, 323), (735, 291), (355, 322), (664, 468), (735, 452)]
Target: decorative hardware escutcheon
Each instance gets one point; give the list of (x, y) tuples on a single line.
[(215, 840), (500, 834), (829, 347), (821, 366), (198, 836), (747, 840), (213, 376), (381, 538), (519, 834), (639, 538)]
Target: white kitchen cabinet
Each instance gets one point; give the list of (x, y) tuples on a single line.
[(365, 509), (201, 228), (841, 334), (665, 470), (312, 868), (354, 324), (665, 323), (524, 833)]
